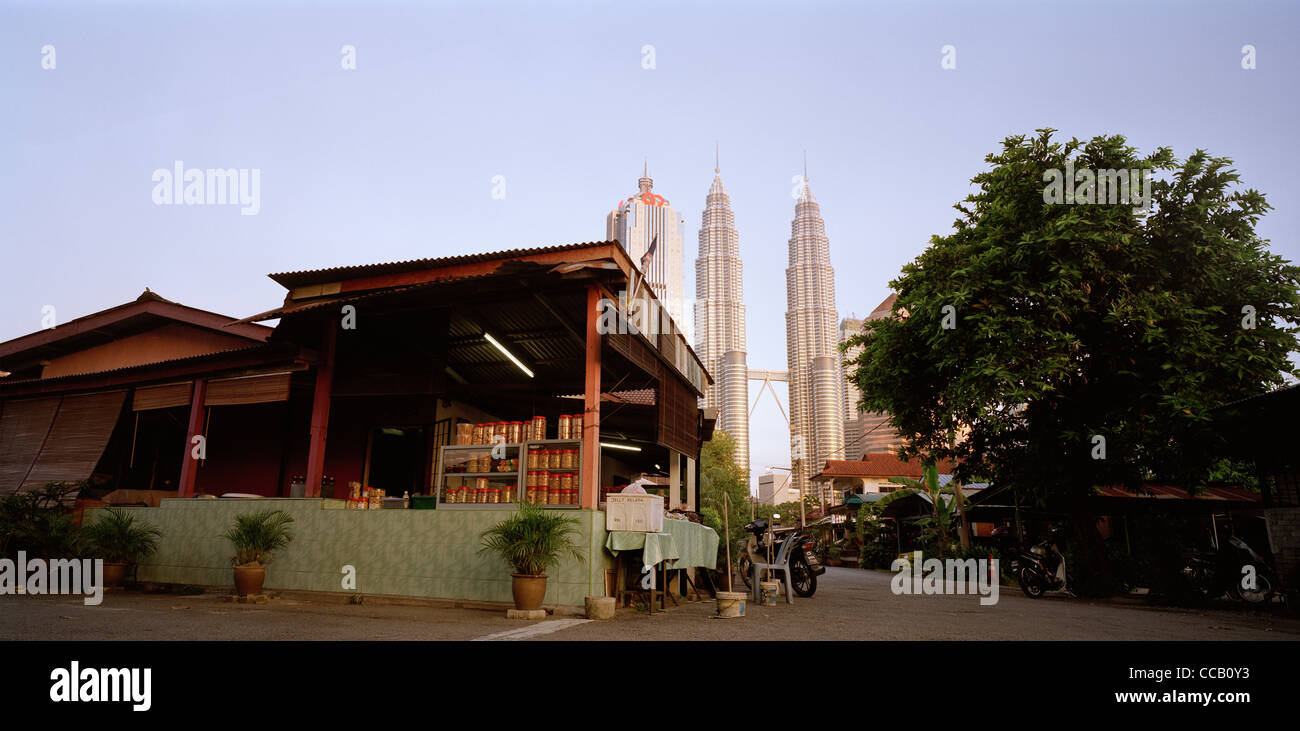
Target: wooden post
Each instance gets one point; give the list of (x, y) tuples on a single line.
[(190, 465), (591, 404), (320, 411)]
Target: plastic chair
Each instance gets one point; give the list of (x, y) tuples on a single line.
[(782, 564)]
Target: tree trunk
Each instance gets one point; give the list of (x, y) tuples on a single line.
[(963, 530)]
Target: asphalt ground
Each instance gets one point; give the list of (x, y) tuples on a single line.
[(850, 604)]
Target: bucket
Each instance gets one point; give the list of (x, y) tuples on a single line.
[(731, 604), (599, 607), (770, 590)]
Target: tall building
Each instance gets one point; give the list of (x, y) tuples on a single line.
[(774, 489), (850, 327), (637, 221), (865, 432), (816, 396), (720, 317)]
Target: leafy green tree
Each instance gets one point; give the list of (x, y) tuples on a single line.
[(719, 476), (939, 526), (1034, 331)]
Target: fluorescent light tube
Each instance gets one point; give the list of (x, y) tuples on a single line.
[(508, 354), (628, 447)]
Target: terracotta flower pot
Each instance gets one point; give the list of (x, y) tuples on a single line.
[(528, 590), (114, 572), (249, 579)]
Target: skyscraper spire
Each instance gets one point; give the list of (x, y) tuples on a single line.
[(647, 221), (805, 166), (645, 184), (720, 316), (816, 398)]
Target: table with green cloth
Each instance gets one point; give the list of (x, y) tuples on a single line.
[(654, 547), (682, 544), (697, 545)]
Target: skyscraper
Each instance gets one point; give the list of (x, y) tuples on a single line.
[(853, 428), (865, 432), (720, 317), (635, 223), (816, 396)]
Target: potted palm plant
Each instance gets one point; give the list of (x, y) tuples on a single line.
[(255, 537), (120, 541), (531, 540)]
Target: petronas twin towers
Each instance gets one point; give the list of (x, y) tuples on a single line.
[(815, 378), (816, 393)]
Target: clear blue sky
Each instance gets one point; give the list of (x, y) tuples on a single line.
[(395, 160)]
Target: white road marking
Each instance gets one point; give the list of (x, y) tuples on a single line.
[(523, 633)]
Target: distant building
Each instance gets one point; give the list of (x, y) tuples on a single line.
[(873, 474), (774, 488), (635, 223), (865, 432)]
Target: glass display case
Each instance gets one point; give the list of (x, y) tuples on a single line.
[(543, 472)]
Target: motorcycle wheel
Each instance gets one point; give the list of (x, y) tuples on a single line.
[(1261, 593), (745, 570), (1031, 586), (802, 579)]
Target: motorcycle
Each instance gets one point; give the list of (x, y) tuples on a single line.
[(1041, 568), (762, 543), (1235, 570)]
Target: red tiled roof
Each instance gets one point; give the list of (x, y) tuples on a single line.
[(1173, 492), (877, 465)]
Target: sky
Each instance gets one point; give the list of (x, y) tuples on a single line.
[(399, 157)]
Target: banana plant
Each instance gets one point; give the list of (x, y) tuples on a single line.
[(945, 511)]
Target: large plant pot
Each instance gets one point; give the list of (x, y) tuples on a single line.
[(528, 590), (249, 579), (114, 572)]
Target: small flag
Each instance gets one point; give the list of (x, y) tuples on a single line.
[(649, 254)]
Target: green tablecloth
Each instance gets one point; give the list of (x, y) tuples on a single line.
[(697, 545), (655, 547), (682, 544)]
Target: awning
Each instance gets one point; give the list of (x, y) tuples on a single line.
[(162, 397), (23, 427), (259, 389), (76, 439)]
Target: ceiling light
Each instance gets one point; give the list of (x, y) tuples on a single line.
[(628, 447), (508, 354)]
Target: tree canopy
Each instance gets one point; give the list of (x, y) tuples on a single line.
[(1058, 346), (720, 475)]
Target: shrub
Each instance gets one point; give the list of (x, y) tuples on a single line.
[(256, 536), (116, 537), (532, 540), (39, 522)]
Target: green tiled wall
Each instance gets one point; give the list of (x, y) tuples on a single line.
[(421, 553)]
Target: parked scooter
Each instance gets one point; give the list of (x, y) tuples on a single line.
[(764, 545), (1042, 567), (1235, 570)]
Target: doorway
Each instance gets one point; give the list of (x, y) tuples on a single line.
[(397, 461)]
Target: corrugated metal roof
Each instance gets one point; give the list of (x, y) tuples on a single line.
[(290, 280), (293, 308), (218, 355)]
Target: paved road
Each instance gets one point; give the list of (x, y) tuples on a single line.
[(850, 605)]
